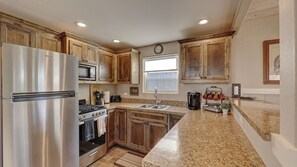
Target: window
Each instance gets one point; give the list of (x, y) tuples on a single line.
[(160, 72)]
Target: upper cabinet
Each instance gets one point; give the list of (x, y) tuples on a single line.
[(16, 33), (20, 32), (206, 60), (48, 41), (84, 50), (106, 66), (128, 67)]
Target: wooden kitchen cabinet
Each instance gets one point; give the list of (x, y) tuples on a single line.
[(206, 60), (192, 61), (17, 34), (128, 66), (217, 58), (136, 134), (84, 50), (111, 128), (48, 41), (145, 129), (121, 126), (124, 68), (155, 132), (173, 119), (106, 66)]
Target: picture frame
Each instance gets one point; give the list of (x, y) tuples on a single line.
[(271, 62)]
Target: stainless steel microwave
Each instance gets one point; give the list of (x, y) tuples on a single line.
[(87, 71)]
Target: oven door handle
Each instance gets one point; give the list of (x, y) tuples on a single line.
[(93, 153), (95, 119)]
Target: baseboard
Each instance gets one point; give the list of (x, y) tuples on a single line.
[(285, 152)]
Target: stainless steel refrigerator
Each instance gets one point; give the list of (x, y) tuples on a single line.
[(39, 108)]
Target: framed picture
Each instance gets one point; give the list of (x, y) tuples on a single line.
[(271, 61)]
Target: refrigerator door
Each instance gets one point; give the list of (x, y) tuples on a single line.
[(41, 133), (27, 69)]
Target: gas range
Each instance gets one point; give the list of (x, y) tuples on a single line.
[(87, 111)]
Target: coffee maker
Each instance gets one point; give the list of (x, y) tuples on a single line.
[(194, 100)]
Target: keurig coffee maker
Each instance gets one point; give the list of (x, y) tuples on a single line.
[(194, 100)]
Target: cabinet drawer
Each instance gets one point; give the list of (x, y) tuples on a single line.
[(152, 117)]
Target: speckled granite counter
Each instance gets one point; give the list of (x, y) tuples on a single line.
[(200, 138), (263, 117)]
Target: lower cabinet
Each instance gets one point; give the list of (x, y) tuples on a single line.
[(121, 126), (136, 134), (155, 132), (111, 128), (145, 130), (173, 119), (138, 130)]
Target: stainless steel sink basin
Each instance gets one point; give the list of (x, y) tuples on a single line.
[(160, 107), (146, 106), (152, 106)]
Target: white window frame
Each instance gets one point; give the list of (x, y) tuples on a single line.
[(160, 57)]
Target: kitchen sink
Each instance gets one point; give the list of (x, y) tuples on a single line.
[(152, 106), (160, 107), (146, 106)]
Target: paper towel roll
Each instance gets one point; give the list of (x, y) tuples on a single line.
[(106, 97)]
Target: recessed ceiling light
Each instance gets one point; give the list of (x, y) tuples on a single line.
[(80, 24), (116, 41), (203, 21)]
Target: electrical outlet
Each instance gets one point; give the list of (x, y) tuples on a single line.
[(125, 94)]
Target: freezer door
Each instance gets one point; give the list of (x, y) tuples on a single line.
[(42, 133), (26, 69)]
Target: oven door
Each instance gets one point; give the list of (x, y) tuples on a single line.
[(92, 150)]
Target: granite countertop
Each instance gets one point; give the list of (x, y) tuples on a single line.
[(200, 138), (263, 117)]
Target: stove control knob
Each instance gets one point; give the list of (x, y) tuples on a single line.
[(93, 114)]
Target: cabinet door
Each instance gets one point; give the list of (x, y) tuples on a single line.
[(48, 42), (91, 54), (124, 68), (136, 134), (216, 59), (121, 126), (76, 48), (16, 34), (192, 61), (155, 132), (173, 119), (111, 129), (106, 67)]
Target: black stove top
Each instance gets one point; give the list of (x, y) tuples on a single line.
[(89, 108), (85, 108)]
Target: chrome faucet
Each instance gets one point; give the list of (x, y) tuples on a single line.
[(157, 101)]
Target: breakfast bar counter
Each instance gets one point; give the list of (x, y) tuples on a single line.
[(263, 117), (200, 138)]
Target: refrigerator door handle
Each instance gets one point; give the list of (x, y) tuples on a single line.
[(32, 96)]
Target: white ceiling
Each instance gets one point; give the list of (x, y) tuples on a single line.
[(135, 22), (262, 8)]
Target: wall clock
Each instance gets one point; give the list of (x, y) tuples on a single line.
[(158, 49)]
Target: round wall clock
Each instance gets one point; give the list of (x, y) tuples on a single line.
[(158, 49)]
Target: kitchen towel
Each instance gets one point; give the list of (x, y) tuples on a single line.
[(89, 130), (101, 125)]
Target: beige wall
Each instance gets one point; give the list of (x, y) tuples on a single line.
[(247, 56), (83, 92)]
